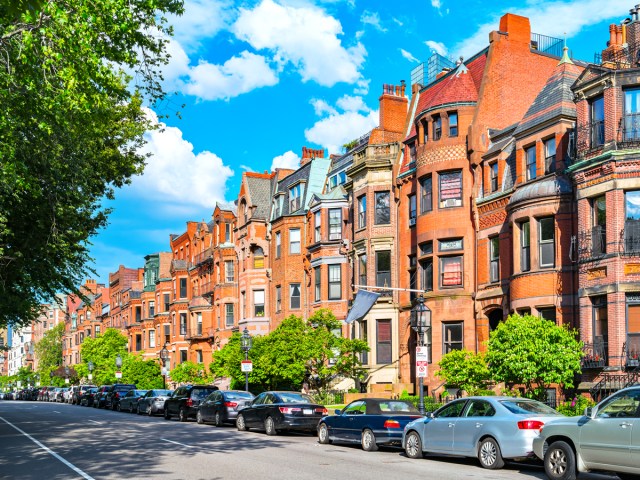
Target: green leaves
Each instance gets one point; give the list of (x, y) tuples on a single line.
[(189, 372), (49, 349), (466, 370)]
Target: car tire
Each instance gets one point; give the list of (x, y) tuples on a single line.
[(270, 426), (116, 407), (413, 445), (167, 416), (218, 419), (323, 434), (182, 415), (368, 441), (560, 461), (240, 425), (138, 411), (150, 411), (489, 454), (199, 418)]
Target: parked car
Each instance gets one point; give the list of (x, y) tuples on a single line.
[(115, 393), (129, 402), (87, 397), (60, 394), (489, 428), (185, 400), (152, 402), (77, 391), (606, 437), (274, 411), (223, 406), (100, 396), (368, 421), (66, 395), (51, 394)]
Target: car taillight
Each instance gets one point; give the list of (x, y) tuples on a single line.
[(289, 410), (391, 424), (117, 395), (230, 404), (189, 402), (323, 411), (530, 425)]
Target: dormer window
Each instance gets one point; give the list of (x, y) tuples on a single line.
[(550, 156), (295, 198), (493, 173), (453, 124), (530, 162), (437, 127)]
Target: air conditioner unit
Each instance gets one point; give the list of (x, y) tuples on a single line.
[(450, 202), (412, 222)]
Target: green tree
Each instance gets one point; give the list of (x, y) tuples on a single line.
[(145, 374), (466, 370), (533, 352), (73, 76), (49, 349), (189, 372), (226, 363), (102, 351)]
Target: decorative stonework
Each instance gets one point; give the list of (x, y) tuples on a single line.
[(632, 268), (595, 273), (492, 219), (442, 154)]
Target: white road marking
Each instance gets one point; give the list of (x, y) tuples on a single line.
[(177, 443), (49, 451), (97, 423), (55, 411)]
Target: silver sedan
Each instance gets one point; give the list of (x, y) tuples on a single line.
[(489, 428), (152, 402)]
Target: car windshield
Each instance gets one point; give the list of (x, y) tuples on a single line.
[(201, 393), (140, 392), (291, 397), (527, 407), (238, 396), (396, 406), (161, 392)]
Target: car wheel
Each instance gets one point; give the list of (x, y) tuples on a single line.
[(138, 411), (182, 415), (323, 434), (150, 411), (116, 407), (270, 426), (489, 454), (560, 462), (368, 441), (199, 418), (240, 425), (413, 445), (167, 416), (218, 419)]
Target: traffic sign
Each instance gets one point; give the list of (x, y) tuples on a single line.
[(422, 362), (118, 374), (422, 371), (90, 376), (246, 366)]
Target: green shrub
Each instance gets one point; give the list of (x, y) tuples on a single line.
[(576, 406), (430, 405)]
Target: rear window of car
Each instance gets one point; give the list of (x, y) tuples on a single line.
[(238, 396), (397, 407), (124, 388), (527, 407), (294, 398), (202, 393)]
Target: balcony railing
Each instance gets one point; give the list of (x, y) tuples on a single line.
[(204, 256), (631, 237), (630, 130), (193, 333), (631, 352), (551, 45), (595, 355), (590, 137), (592, 243)]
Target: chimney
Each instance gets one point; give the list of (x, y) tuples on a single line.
[(393, 107), (634, 14), (308, 154), (518, 28)]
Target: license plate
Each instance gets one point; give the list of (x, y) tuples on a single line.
[(307, 411)]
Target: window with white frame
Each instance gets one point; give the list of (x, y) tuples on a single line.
[(362, 211), (278, 298), (451, 271), (318, 226), (335, 282), (278, 244), (229, 315), (335, 223), (199, 324), (294, 296), (258, 303), (294, 240), (450, 189), (229, 272), (546, 236), (318, 283), (493, 176), (295, 198), (152, 338), (183, 323)]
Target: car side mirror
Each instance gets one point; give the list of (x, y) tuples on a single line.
[(338, 412), (588, 412)]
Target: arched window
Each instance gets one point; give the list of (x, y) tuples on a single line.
[(258, 257)]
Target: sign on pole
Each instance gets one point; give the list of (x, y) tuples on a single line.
[(90, 376), (118, 374), (422, 362), (246, 366)]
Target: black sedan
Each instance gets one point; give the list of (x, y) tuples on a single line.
[(223, 406), (274, 411), (87, 397), (368, 421), (152, 402)]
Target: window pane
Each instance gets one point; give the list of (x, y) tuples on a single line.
[(451, 189), (452, 337), (383, 341), (294, 294), (547, 243), (335, 282), (451, 271), (362, 211), (530, 159), (383, 268), (425, 195), (453, 124), (294, 240), (426, 267), (550, 155), (383, 210), (335, 224)]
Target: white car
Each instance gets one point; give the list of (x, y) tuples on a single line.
[(606, 438)]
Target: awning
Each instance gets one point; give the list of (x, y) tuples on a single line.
[(361, 305)]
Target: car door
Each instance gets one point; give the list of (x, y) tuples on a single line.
[(439, 431), (634, 449), (344, 424), (207, 406), (471, 426), (176, 400), (250, 414), (605, 440)]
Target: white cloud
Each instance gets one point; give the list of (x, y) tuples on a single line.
[(362, 87), (201, 19), (553, 18), (373, 19), (408, 56), (321, 107), (306, 36), (437, 47), (247, 168), (397, 21), (350, 103), (236, 76), (286, 160), (175, 174), (436, 4)]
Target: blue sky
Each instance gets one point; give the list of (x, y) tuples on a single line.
[(260, 79)]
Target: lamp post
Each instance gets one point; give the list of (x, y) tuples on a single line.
[(245, 344), (164, 356), (420, 323), (66, 374), (90, 367), (118, 366)]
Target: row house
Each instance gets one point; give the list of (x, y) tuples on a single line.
[(81, 321), (154, 303), (21, 352), (52, 314)]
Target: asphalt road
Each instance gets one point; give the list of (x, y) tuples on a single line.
[(57, 441)]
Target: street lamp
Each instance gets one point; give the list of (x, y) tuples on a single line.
[(90, 367), (66, 374), (164, 356), (245, 344), (420, 323)]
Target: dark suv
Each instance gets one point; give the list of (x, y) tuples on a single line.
[(100, 395), (115, 393), (185, 400)]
